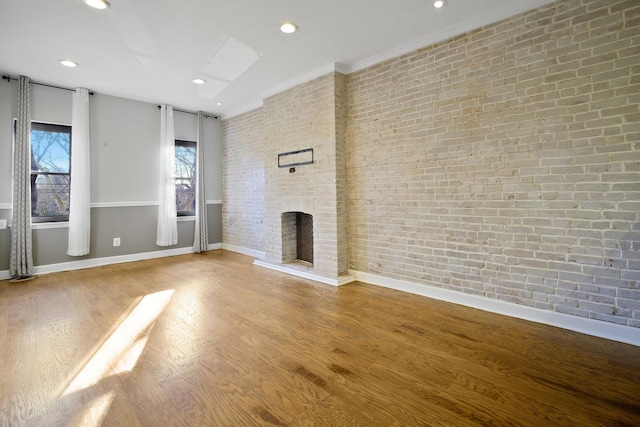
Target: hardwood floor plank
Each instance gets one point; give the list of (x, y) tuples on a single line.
[(210, 339)]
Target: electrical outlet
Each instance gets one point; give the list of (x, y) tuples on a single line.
[(116, 241), (3, 224)]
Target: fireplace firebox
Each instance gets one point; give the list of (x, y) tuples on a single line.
[(297, 237)]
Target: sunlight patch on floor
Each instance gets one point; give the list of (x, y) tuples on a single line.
[(96, 410), (118, 354)]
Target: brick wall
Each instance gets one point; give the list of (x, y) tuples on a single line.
[(340, 126), (506, 162), (299, 118), (289, 236), (243, 181)]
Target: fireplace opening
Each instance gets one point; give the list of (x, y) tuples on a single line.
[(297, 237), (304, 240)]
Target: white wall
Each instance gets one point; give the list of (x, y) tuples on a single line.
[(212, 129), (8, 101), (50, 105), (125, 160)]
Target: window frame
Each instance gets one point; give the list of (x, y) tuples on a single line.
[(194, 144), (50, 127)]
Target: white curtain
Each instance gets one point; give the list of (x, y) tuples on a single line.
[(200, 237), (21, 257), (167, 234), (80, 203)]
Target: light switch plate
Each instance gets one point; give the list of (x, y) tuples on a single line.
[(3, 224)]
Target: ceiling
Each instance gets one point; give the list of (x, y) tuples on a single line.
[(150, 50)]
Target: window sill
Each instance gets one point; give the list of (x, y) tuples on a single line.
[(48, 225), (186, 218)]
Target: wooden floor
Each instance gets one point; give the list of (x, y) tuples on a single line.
[(212, 340)]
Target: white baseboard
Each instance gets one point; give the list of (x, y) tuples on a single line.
[(245, 251), (97, 262), (342, 280), (597, 328)]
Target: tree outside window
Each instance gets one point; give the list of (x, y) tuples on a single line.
[(185, 177), (50, 171)]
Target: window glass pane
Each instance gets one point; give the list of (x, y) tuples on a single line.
[(51, 195), (50, 151), (50, 171), (185, 177)]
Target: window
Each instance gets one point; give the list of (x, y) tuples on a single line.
[(50, 172), (185, 177)]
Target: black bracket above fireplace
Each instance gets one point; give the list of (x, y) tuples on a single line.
[(295, 158)]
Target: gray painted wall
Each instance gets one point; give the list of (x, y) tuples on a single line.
[(124, 168), (8, 108)]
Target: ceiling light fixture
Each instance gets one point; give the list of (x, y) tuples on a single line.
[(199, 81), (439, 3), (288, 28), (218, 103), (68, 63), (98, 4)]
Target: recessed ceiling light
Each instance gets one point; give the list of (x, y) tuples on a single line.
[(199, 81), (218, 103), (68, 63), (98, 4), (288, 28), (439, 3)]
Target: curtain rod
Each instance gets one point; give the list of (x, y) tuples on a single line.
[(192, 112), (9, 78)]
